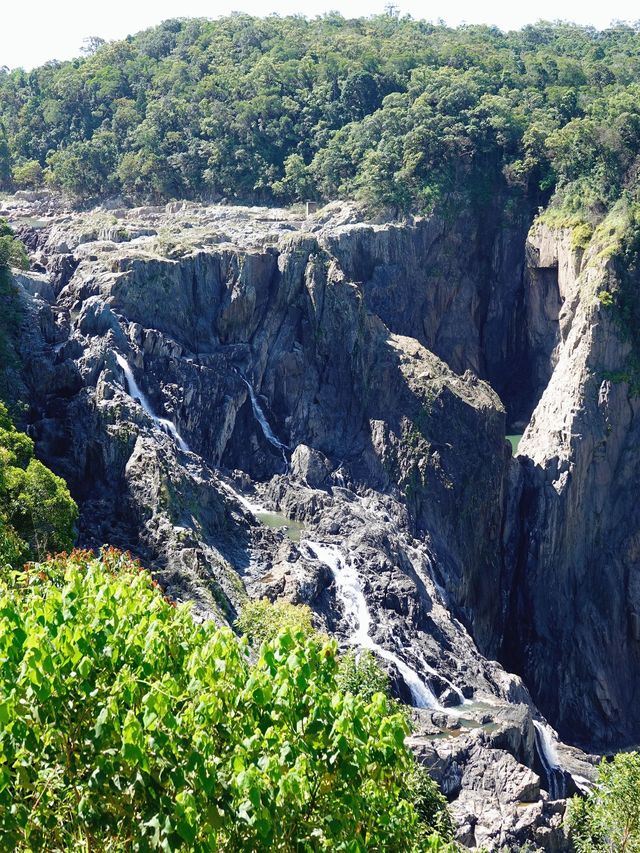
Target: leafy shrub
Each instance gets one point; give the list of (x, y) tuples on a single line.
[(28, 174), (37, 513), (430, 804), (609, 817), (360, 674), (125, 726), (12, 250), (263, 620)]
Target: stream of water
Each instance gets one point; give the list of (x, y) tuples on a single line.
[(357, 614), (556, 782), (136, 394), (260, 416)]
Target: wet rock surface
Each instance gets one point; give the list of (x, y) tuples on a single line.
[(259, 404)]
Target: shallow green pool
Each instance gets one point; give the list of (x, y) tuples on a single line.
[(30, 222), (278, 521), (515, 441)]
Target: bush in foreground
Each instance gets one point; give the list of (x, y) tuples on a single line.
[(608, 819), (358, 673), (125, 726)]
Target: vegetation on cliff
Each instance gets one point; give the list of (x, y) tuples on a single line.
[(12, 250), (125, 726), (399, 112), (12, 254), (37, 513)]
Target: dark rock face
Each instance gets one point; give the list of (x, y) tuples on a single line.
[(455, 286), (376, 354), (573, 625)]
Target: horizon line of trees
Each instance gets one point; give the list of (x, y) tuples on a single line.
[(395, 112)]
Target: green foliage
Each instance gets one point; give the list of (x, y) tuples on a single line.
[(37, 513), (618, 237), (125, 726), (12, 250), (430, 804), (28, 175), (358, 671), (401, 113), (10, 316), (581, 236), (263, 620), (298, 182), (608, 819), (434, 843), (360, 674), (606, 298)]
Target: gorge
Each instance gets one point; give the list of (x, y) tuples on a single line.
[(190, 366)]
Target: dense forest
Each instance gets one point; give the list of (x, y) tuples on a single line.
[(400, 113), (125, 724)]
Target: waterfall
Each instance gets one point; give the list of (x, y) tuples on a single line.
[(556, 783), (136, 394), (260, 416), (358, 616), (338, 476), (254, 509)]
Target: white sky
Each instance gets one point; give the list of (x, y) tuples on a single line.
[(34, 32)]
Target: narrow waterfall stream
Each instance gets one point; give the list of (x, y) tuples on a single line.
[(359, 618), (260, 416), (136, 394), (556, 782)]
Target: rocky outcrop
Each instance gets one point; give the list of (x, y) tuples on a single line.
[(573, 631), (257, 404), (453, 284), (486, 773)]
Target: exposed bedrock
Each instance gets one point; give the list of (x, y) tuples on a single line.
[(223, 362), (574, 629), (457, 286)]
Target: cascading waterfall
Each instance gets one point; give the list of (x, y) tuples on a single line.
[(260, 416), (449, 684), (136, 394), (556, 782), (359, 619), (338, 476), (254, 509)]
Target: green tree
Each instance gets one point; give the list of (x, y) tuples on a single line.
[(263, 620), (5, 162), (12, 250), (28, 174), (37, 513), (608, 819), (298, 182), (126, 726)]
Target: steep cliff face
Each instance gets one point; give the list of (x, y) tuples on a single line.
[(194, 322), (206, 378), (455, 285), (574, 628)]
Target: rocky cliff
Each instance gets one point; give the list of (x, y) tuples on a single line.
[(573, 624), (262, 404)]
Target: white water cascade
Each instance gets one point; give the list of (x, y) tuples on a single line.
[(135, 393), (556, 781), (260, 416), (254, 509), (357, 615)]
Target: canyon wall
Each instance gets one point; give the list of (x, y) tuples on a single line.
[(387, 362)]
